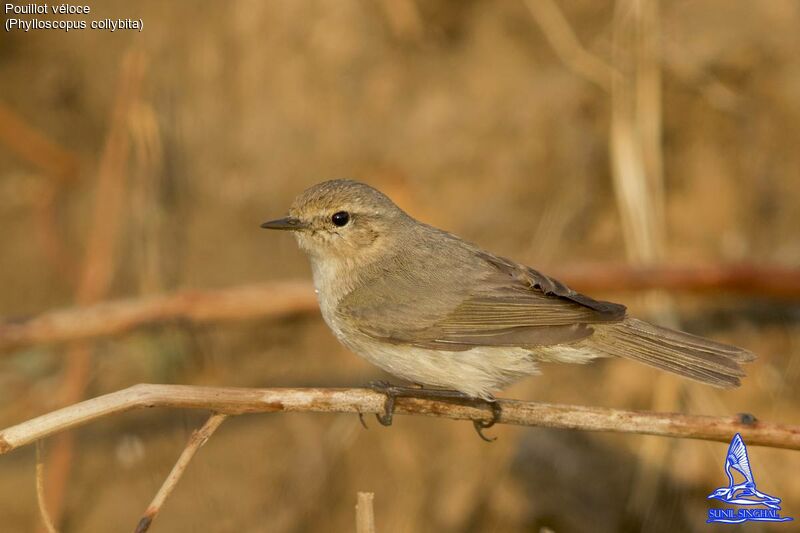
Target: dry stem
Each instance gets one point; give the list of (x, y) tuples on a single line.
[(365, 515), (197, 306), (197, 439), (40, 499), (35, 147)]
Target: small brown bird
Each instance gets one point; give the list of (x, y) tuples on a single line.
[(435, 310)]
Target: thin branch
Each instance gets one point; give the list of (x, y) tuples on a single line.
[(565, 44), (749, 279), (35, 147), (197, 439), (57, 163), (235, 401), (635, 133), (197, 306), (365, 514), (40, 499), (280, 299)]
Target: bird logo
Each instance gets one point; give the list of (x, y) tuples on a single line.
[(743, 493)]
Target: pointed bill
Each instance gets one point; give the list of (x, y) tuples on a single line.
[(285, 223)]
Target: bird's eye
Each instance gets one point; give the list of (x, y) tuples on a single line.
[(340, 218)]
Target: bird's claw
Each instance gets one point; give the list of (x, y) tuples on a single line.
[(480, 425), (390, 391)]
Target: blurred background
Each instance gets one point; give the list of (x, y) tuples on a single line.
[(569, 135)]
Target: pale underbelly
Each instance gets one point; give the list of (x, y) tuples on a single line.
[(479, 372)]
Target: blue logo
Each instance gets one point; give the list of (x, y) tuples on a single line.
[(758, 507)]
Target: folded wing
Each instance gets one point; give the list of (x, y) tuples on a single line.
[(499, 303)]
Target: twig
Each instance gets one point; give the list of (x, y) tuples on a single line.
[(57, 163), (33, 146), (40, 499), (565, 44), (198, 438), (365, 514), (235, 401), (279, 299)]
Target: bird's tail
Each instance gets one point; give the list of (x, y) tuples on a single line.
[(681, 353)]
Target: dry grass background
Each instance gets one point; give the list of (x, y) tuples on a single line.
[(464, 114)]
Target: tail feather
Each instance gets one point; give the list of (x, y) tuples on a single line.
[(681, 353)]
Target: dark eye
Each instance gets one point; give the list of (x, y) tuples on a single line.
[(340, 218)]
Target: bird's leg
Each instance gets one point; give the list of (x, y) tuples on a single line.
[(392, 392)]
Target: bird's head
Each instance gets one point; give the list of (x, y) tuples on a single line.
[(343, 219)]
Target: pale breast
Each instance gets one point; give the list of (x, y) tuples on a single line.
[(331, 286)]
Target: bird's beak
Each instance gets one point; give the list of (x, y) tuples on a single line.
[(285, 223)]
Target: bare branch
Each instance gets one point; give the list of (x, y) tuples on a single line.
[(35, 147), (197, 439), (114, 317), (758, 280), (40, 499), (278, 299), (234, 401)]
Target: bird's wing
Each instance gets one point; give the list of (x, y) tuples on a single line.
[(526, 282), (498, 304), (737, 455)]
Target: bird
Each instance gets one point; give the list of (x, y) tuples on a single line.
[(744, 493), (442, 313)]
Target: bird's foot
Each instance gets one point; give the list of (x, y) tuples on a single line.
[(392, 392)]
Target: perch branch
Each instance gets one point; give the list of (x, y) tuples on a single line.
[(197, 439), (278, 299), (234, 401)]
